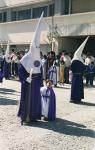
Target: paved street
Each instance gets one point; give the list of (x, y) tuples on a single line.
[(74, 128)]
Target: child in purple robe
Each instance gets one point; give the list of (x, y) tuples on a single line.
[(48, 101)]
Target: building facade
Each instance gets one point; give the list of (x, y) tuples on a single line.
[(66, 23)]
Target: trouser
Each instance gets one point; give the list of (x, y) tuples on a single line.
[(90, 78), (66, 74), (13, 68)]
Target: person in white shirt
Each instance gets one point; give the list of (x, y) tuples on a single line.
[(67, 61)]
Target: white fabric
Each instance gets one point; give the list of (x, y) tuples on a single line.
[(29, 79), (7, 56), (45, 101), (43, 62), (44, 67), (83, 56), (67, 60), (87, 61), (78, 53), (57, 68), (34, 53)]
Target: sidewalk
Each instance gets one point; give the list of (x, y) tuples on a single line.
[(3, 144), (74, 128)]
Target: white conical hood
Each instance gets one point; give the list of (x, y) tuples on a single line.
[(32, 58), (37, 35), (78, 53), (7, 52)]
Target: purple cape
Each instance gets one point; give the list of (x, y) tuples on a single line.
[(30, 101), (48, 94), (52, 105)]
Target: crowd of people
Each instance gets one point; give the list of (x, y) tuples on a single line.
[(55, 67), (9, 66)]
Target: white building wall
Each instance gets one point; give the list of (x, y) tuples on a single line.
[(21, 32), (80, 6), (13, 3)]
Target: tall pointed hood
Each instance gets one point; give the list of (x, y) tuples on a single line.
[(78, 53), (32, 58), (7, 52)]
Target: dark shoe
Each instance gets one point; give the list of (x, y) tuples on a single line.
[(45, 119), (33, 121), (77, 102)]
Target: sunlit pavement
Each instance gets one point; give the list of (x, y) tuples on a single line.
[(74, 128)]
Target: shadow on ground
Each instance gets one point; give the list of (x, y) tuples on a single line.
[(7, 91), (65, 127), (87, 104), (5, 101)]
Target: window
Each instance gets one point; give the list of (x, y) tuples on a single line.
[(51, 10), (37, 11), (0, 17), (24, 14), (13, 46), (65, 7), (4, 16), (13, 16)]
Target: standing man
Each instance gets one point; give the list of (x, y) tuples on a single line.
[(7, 63), (31, 80), (77, 67), (67, 64)]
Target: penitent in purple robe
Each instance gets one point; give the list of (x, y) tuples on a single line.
[(77, 89), (48, 102), (1, 76), (7, 69), (30, 101)]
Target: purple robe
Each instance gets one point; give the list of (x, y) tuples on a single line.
[(30, 101), (48, 101), (7, 69), (52, 74), (77, 89)]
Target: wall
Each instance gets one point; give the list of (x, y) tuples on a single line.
[(68, 44), (21, 32), (80, 6), (13, 3)]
